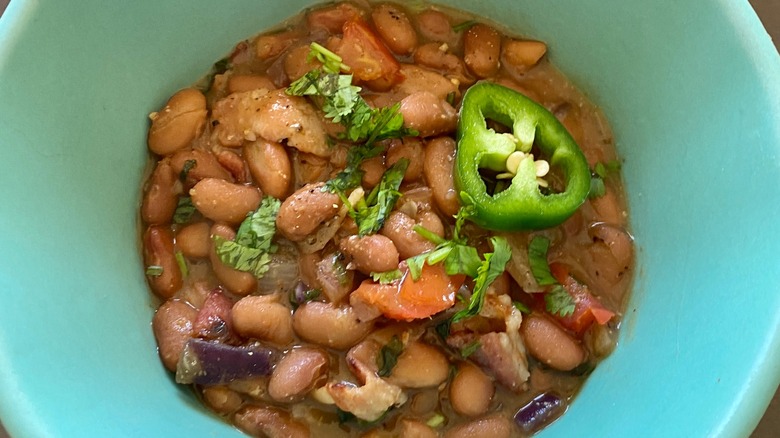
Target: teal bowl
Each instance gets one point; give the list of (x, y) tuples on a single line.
[(692, 89)]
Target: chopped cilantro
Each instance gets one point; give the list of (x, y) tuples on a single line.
[(521, 307), (154, 270), (331, 62), (386, 277), (436, 420), (250, 250), (186, 168), (370, 213), (388, 356), (182, 262), (470, 348), (351, 176), (537, 259), (559, 301), (601, 171), (493, 266), (597, 187), (184, 210), (463, 26)]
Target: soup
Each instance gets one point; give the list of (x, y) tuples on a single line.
[(379, 220)]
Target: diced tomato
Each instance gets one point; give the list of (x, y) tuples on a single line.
[(587, 308), (366, 55), (406, 299)]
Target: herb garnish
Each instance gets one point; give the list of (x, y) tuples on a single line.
[(250, 250), (557, 299), (185, 209), (493, 266), (386, 277), (371, 212), (388, 356)]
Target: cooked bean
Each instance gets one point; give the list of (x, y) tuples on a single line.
[(309, 169), (522, 55), (428, 114), (416, 429), (263, 421), (270, 167), (411, 149), (394, 27), (222, 201), (297, 63), (418, 79), (194, 240), (178, 122), (373, 169), (435, 26), (221, 399), (305, 210), (435, 55), (373, 253), (233, 163), (608, 208), (400, 229), (618, 241), (241, 83), (420, 366), (263, 318), (332, 18), (172, 325), (329, 326), (493, 426), (471, 391), (271, 45), (162, 194), (200, 164), (438, 167), (307, 266), (297, 373), (482, 50), (237, 282), (550, 344), (159, 254)]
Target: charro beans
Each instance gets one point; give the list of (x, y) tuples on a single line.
[(193, 165), (264, 318), (271, 422), (522, 55), (270, 167), (438, 167), (223, 201), (435, 26), (420, 366), (241, 83), (494, 426), (178, 122), (394, 27)]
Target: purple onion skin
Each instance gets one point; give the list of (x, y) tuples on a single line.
[(539, 412), (214, 363)]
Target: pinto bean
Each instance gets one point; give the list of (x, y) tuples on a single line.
[(428, 114), (420, 366), (272, 45), (179, 122), (336, 281), (438, 167), (522, 55), (233, 163), (373, 169), (297, 373), (332, 18), (619, 242), (222, 201), (270, 167), (431, 55), (297, 63), (263, 318), (241, 83), (418, 79), (550, 344), (416, 429), (329, 326), (394, 27), (608, 209), (221, 399), (172, 325), (201, 164), (400, 229), (194, 240), (159, 252), (494, 426), (435, 26), (471, 391), (162, 194), (374, 253), (262, 421), (237, 282), (309, 169), (305, 210), (411, 149), (482, 50)]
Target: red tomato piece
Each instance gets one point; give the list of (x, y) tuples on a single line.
[(587, 308), (366, 55)]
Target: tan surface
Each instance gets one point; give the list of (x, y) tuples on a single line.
[(769, 12)]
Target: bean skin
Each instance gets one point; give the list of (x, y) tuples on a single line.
[(329, 326), (270, 167), (237, 282), (222, 201), (263, 318), (438, 168), (297, 373), (550, 344), (194, 241), (435, 26), (394, 27), (162, 194), (374, 253), (420, 366), (173, 326), (429, 115), (400, 229), (179, 122), (482, 50), (471, 391), (159, 251), (305, 210), (411, 149)]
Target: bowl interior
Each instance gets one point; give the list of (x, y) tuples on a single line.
[(693, 99)]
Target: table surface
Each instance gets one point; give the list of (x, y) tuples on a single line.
[(769, 12)]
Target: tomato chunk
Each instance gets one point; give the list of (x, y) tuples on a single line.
[(406, 299), (366, 55), (587, 308)]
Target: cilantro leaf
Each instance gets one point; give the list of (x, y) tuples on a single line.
[(371, 214), (601, 171), (470, 348), (493, 266), (182, 262), (597, 187), (185, 209), (331, 62), (457, 255), (154, 270), (386, 277), (463, 260), (521, 307), (388, 356), (250, 250), (559, 301), (186, 168), (351, 176), (537, 259)]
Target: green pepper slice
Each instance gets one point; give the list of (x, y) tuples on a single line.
[(522, 205)]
